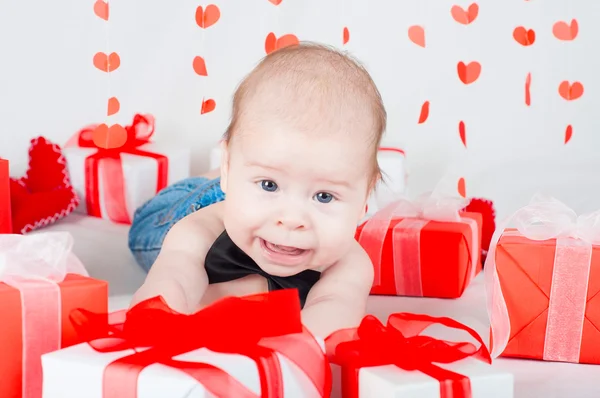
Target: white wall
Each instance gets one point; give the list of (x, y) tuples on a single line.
[(48, 84)]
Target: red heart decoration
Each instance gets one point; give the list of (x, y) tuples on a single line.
[(44, 194), (208, 105), (111, 137), (272, 43), (468, 73)]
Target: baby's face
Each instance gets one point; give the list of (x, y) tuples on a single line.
[(294, 198)]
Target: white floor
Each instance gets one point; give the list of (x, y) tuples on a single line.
[(102, 247)]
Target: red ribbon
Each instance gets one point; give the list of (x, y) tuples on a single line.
[(138, 134), (257, 326), (400, 343)]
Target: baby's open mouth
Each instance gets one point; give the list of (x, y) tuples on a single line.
[(281, 249)]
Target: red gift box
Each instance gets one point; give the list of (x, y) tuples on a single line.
[(42, 283), (424, 249), (5, 215), (543, 283)]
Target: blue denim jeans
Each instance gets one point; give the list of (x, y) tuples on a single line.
[(154, 219)]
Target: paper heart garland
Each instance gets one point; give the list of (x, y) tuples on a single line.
[(44, 194)]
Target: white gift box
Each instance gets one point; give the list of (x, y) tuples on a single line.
[(390, 381), (139, 173), (77, 372)]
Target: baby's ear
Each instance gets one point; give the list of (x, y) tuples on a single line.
[(224, 164)]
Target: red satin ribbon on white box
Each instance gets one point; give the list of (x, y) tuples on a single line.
[(547, 218), (406, 237), (35, 264)]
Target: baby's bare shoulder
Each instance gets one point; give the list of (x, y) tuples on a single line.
[(198, 229)]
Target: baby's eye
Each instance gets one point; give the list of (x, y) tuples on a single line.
[(324, 197), (268, 185)]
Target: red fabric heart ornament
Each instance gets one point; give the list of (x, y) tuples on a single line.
[(44, 194)]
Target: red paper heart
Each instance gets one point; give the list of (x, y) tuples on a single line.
[(528, 90), (101, 9), (199, 66), (272, 43), (568, 133), (565, 31), (524, 36), (107, 63), (208, 105), (570, 91), (205, 18), (463, 16), (44, 194), (111, 137), (345, 35), (461, 187), (416, 34), (468, 73), (424, 112), (462, 132)]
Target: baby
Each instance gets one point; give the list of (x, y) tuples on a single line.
[(298, 165)]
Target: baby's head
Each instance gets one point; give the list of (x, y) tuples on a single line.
[(300, 158)]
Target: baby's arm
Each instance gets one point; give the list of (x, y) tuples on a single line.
[(339, 299), (178, 273)]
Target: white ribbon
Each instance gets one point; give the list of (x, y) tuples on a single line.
[(547, 218)]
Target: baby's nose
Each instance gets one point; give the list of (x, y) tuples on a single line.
[(292, 221)]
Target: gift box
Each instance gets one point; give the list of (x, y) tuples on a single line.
[(543, 283), (252, 346), (391, 162), (426, 248), (399, 361), (114, 182), (42, 282), (5, 209)]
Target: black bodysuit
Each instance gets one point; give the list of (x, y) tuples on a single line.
[(226, 262)]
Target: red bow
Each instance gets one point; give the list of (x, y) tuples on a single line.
[(115, 203), (256, 326), (400, 343)]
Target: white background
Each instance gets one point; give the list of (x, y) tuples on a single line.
[(48, 85)]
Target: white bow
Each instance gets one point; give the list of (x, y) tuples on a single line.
[(38, 256), (547, 218)]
